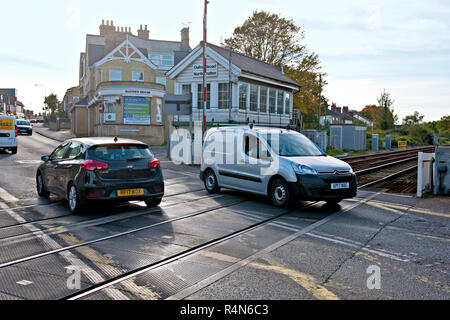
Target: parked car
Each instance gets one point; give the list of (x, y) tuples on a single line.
[(85, 170), (24, 126), (279, 163), (8, 133), (33, 121)]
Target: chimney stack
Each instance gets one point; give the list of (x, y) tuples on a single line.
[(333, 107), (107, 28), (185, 36), (144, 33), (338, 109), (345, 110)]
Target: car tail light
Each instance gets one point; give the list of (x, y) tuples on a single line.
[(94, 195), (154, 164), (92, 165), (16, 130)]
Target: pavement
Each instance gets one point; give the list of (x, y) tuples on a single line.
[(375, 246)]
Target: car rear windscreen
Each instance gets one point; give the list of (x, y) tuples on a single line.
[(23, 123), (115, 152)]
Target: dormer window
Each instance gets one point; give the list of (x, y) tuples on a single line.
[(162, 60)]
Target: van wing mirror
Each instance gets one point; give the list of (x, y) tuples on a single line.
[(45, 158)]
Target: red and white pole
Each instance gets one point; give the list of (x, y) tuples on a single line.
[(204, 70)]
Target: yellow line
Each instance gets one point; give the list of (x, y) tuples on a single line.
[(185, 173)]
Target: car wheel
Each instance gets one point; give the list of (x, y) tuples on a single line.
[(279, 193), (152, 202), (333, 202), (14, 150), (75, 202), (42, 192), (210, 181)]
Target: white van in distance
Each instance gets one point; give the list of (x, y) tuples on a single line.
[(279, 163), (8, 133)]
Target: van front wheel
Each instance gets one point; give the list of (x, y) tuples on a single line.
[(279, 193), (210, 181)]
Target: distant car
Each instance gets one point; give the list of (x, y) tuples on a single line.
[(8, 133), (24, 126), (33, 121), (85, 170), (40, 119)]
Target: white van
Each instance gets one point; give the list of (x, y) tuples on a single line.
[(8, 133), (279, 163)]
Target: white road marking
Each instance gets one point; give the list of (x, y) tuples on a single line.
[(91, 274), (5, 195), (28, 161), (24, 282)]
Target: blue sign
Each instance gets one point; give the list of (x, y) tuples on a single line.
[(136, 110)]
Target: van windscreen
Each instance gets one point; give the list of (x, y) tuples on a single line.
[(121, 152), (291, 145)]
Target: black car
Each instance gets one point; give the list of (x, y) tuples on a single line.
[(84, 170), (24, 126)]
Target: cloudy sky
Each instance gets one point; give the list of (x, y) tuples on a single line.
[(364, 46)]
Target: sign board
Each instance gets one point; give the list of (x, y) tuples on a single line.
[(109, 117), (211, 70), (6, 124), (402, 144), (177, 104), (136, 110)]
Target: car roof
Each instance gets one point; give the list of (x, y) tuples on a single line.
[(255, 128), (92, 141)]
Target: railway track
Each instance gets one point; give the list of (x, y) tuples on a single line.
[(394, 170)]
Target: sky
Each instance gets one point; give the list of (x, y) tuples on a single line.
[(364, 46)]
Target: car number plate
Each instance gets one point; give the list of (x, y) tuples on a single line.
[(340, 185), (130, 192)]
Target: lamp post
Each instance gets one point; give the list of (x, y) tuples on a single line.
[(45, 92)]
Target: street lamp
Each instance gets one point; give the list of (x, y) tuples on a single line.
[(45, 92)]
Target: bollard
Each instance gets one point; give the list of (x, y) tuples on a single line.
[(388, 141)]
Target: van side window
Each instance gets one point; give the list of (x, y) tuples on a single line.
[(254, 148)]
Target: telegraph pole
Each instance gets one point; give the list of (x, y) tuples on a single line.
[(204, 71), (320, 92), (229, 83)]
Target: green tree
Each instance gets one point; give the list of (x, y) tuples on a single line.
[(443, 124), (52, 103), (278, 41), (386, 102), (413, 119)]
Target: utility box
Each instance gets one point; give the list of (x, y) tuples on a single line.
[(320, 138), (442, 171), (388, 142), (375, 142), (348, 137)]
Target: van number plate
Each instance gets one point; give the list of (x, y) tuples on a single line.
[(340, 185)]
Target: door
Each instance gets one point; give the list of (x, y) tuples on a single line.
[(67, 166), (50, 174)]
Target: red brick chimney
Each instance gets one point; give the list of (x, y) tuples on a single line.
[(333, 107), (338, 109), (345, 110)]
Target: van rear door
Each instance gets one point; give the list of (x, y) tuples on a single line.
[(7, 132)]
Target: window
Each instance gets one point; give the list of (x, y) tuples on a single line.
[(253, 97), (254, 148), (280, 101), (200, 96), (167, 61), (161, 80), (288, 103), (158, 110), (224, 95), (137, 76), (117, 152), (74, 150), (243, 96), (272, 98), (115, 75), (186, 89), (76, 99), (162, 60), (263, 99), (59, 152)]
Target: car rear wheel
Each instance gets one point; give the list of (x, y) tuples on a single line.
[(210, 181), (333, 202), (73, 196), (152, 202), (279, 193), (42, 192)]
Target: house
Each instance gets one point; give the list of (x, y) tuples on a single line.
[(260, 92), (337, 115), (124, 75)]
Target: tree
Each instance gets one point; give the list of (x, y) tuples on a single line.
[(52, 103), (278, 41), (413, 119), (386, 102), (380, 116), (444, 124)]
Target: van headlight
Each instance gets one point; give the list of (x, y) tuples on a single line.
[(303, 169)]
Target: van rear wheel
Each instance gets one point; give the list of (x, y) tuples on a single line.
[(279, 193), (14, 150), (210, 181)]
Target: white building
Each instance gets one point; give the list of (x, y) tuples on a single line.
[(261, 93)]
